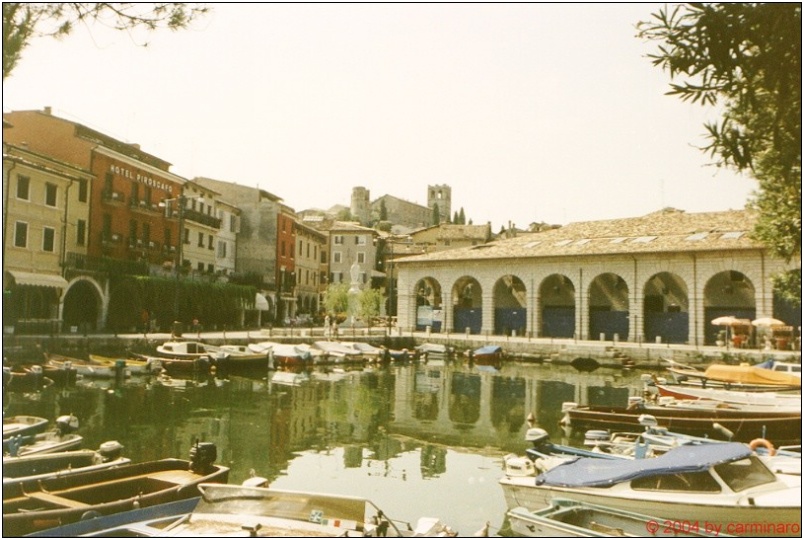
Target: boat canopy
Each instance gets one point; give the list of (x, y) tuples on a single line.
[(591, 472), (488, 349)]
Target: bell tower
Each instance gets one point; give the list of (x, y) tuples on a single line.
[(442, 196)]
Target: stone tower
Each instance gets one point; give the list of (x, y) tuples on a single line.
[(442, 196), (361, 206)]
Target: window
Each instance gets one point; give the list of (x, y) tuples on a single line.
[(81, 232), (21, 234), (23, 188), (50, 194), (360, 240), (48, 239), (232, 223), (186, 236), (168, 237), (200, 267), (361, 258), (200, 239), (336, 257), (210, 242), (338, 239), (132, 233), (323, 256), (107, 226), (83, 191), (210, 268), (745, 473), (146, 232), (135, 193), (221, 249), (108, 183)]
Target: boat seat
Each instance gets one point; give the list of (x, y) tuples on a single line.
[(57, 500), (606, 529)]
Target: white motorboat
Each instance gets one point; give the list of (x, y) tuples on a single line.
[(566, 518), (733, 397), (721, 484), (337, 351), (232, 510)]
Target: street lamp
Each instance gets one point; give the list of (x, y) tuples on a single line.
[(182, 202)]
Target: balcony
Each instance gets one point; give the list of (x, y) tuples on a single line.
[(203, 219), (78, 263)]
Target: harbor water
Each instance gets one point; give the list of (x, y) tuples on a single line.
[(416, 439)]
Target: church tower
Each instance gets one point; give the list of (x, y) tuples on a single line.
[(360, 207), (442, 196)]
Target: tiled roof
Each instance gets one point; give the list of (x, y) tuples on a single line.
[(447, 231), (667, 230)]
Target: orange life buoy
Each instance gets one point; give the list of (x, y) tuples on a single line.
[(756, 443)]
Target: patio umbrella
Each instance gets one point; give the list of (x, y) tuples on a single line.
[(767, 321), (726, 320)]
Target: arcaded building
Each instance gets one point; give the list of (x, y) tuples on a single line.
[(661, 277)]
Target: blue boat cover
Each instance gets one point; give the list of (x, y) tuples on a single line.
[(488, 349), (597, 472)]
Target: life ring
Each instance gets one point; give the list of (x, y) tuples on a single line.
[(756, 443)]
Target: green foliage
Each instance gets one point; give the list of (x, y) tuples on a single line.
[(436, 214), (746, 58), (788, 287), (383, 211), (461, 217), (345, 215), (370, 300), (336, 298), (214, 304), (24, 21)]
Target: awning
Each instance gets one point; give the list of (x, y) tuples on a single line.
[(38, 280), (261, 303)]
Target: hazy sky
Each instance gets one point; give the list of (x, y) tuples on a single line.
[(530, 112)]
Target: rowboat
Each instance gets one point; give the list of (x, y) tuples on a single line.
[(719, 484), (86, 368), (232, 510), (40, 466), (722, 423), (736, 397), (567, 518), (34, 505), (23, 425)]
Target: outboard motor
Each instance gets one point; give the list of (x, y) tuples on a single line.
[(66, 424), (110, 450), (202, 457), (38, 375)]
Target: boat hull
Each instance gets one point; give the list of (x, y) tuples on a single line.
[(726, 518)]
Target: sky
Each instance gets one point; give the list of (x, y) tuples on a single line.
[(530, 112)]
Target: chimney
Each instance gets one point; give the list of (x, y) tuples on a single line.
[(48, 110)]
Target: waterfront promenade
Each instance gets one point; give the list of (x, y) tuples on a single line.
[(527, 349)]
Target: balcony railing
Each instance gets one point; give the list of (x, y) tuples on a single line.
[(105, 265), (109, 195), (203, 219)]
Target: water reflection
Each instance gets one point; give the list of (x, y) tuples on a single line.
[(437, 428)]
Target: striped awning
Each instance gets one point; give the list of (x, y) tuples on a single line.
[(38, 280)]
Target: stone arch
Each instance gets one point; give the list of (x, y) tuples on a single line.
[(608, 307), (467, 305), (83, 305), (429, 311), (665, 310), (557, 305), (510, 306), (728, 293)]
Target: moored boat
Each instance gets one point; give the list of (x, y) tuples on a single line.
[(736, 376), (567, 518), (87, 368), (40, 466), (58, 439), (722, 423), (135, 366), (23, 425), (232, 510), (722, 395), (720, 484), (34, 505), (489, 355)]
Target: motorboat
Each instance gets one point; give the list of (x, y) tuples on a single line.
[(245, 510), (793, 368), (62, 437), (736, 375), (185, 349), (568, 518), (36, 467), (366, 349), (720, 484), (338, 352), (433, 348), (35, 505), (724, 423), (23, 425)]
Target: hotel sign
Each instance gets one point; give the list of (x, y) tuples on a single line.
[(139, 177)]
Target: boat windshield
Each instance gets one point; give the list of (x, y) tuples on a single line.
[(696, 481), (745, 473)]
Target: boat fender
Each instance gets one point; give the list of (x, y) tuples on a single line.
[(756, 443)]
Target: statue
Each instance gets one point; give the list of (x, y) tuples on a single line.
[(354, 271)]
